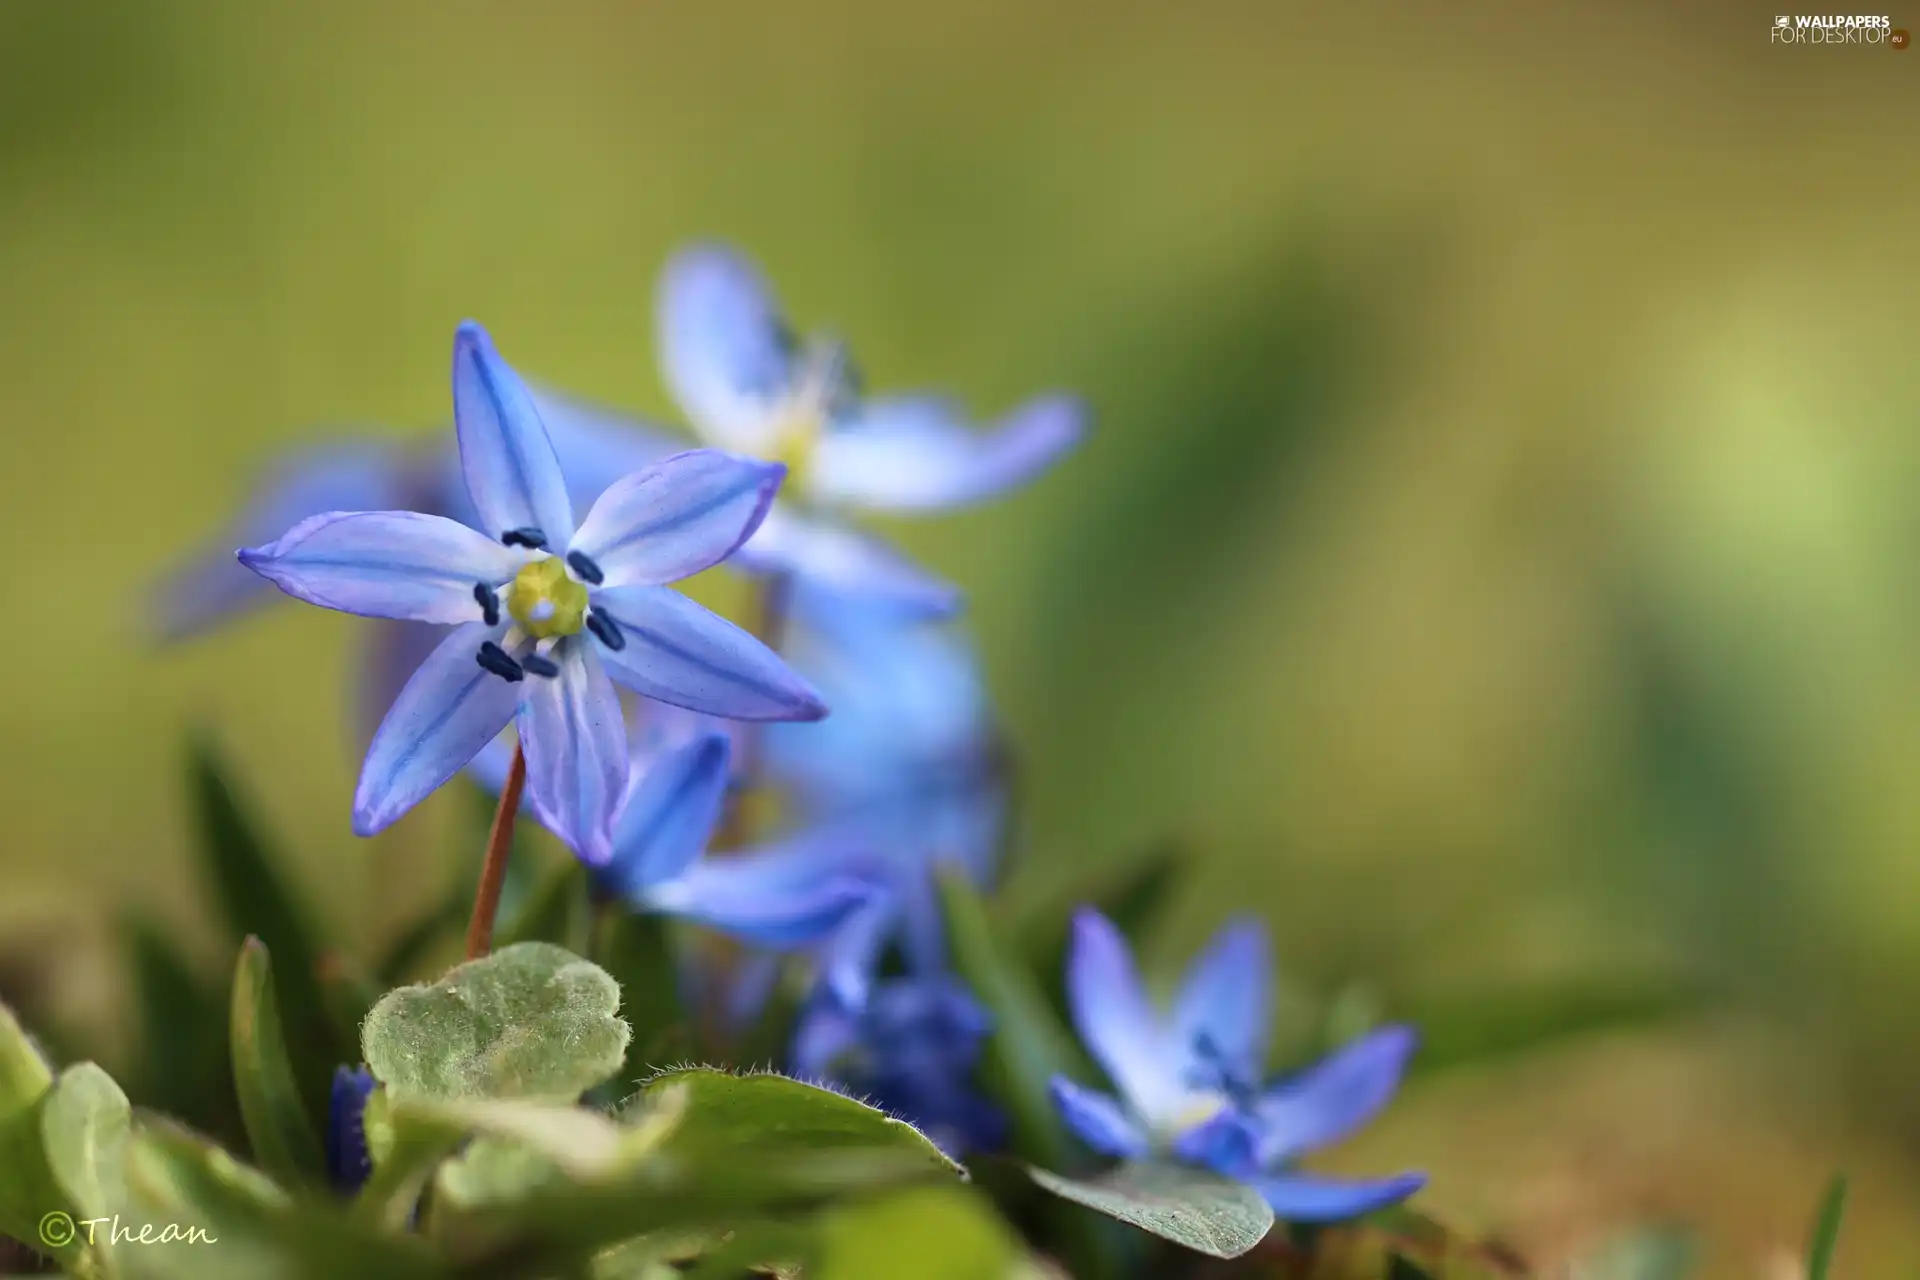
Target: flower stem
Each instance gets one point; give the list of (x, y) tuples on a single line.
[(493, 872)]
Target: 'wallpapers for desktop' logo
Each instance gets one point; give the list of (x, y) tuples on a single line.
[(1856, 29)]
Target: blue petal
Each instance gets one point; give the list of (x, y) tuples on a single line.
[(1098, 1120), (512, 473), (851, 957), (390, 652), (677, 517), (597, 446), (915, 454), (344, 475), (826, 1031), (727, 356), (672, 807), (1116, 1023), (1300, 1197), (757, 903), (385, 564), (1333, 1097), (840, 560), (1226, 1000), (679, 653), (575, 738), (446, 714)]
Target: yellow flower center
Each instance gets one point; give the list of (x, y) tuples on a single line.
[(545, 601), (1197, 1110), (804, 412)]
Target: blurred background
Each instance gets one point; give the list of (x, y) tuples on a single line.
[(1497, 560)]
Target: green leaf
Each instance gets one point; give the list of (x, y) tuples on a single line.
[(182, 1039), (277, 1125), (1493, 1025), (756, 1115), (1192, 1207), (529, 1021), (1028, 1046), (27, 1189), (929, 1233), (1826, 1228), (637, 949), (256, 902), (249, 1227), (84, 1123)]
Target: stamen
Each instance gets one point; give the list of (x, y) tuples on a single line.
[(1216, 1073), (607, 631), (493, 658), (489, 601), (527, 537), (581, 563), (537, 665)]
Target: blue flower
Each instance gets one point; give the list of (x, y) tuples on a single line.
[(1189, 1081), (348, 1162), (748, 385), (545, 615), (912, 1049), (903, 778), (673, 804)]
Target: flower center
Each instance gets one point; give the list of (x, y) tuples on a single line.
[(822, 387), (1195, 1110), (545, 601)]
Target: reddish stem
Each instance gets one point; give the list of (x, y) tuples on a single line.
[(493, 872)]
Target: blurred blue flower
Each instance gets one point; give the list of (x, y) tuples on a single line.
[(912, 1049), (348, 1162), (1190, 1082), (748, 385), (534, 596), (904, 776)]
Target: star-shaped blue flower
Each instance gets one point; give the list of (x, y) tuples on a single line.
[(748, 385), (546, 614), (1189, 1079)]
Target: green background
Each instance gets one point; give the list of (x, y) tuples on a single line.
[(1495, 560)]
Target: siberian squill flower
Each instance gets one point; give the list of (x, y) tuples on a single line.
[(911, 1049), (544, 612), (349, 1163), (1189, 1078), (747, 385), (678, 786), (902, 778)]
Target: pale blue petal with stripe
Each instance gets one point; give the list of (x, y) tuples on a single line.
[(678, 652), (575, 739), (837, 558), (1335, 1096), (677, 517), (513, 475), (742, 896), (1099, 1120), (1222, 1010), (673, 804), (386, 564), (727, 356), (336, 475), (447, 712), (1302, 1197), (1116, 1022), (916, 453)]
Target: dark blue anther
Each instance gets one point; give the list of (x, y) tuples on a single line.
[(582, 563), (607, 630), (493, 658), (539, 666), (1214, 1072), (489, 602), (527, 537)]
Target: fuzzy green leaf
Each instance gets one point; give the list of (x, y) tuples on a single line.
[(1192, 1207), (529, 1021), (277, 1124)]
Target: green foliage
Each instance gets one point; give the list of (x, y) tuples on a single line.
[(771, 1113), (637, 949), (530, 1021), (1826, 1228), (278, 1127), (930, 1233), (1192, 1207)]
